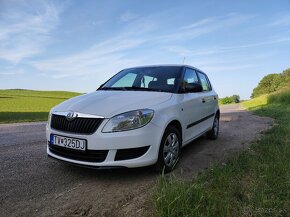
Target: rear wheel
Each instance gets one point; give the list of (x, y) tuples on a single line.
[(214, 132), (169, 151)]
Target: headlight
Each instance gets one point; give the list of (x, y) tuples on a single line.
[(129, 121)]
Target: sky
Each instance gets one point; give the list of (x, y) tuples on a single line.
[(78, 45)]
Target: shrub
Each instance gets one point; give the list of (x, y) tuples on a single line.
[(271, 83), (230, 99)]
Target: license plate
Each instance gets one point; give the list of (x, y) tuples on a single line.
[(68, 142)]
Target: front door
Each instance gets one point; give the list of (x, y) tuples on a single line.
[(194, 109)]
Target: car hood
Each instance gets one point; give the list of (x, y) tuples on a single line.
[(110, 103)]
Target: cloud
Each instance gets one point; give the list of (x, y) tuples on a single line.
[(227, 68), (107, 56), (206, 26), (113, 53), (282, 21), (100, 56), (11, 71), (199, 23), (128, 16), (25, 29), (187, 52)]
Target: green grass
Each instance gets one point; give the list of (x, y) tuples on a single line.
[(255, 182), (29, 105)]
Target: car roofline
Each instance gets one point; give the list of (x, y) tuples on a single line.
[(165, 65)]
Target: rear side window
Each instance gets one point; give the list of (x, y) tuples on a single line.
[(204, 82), (190, 76), (171, 81)]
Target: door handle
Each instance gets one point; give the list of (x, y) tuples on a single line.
[(203, 100)]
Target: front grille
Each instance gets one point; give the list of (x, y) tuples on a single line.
[(88, 155), (130, 153), (78, 125)]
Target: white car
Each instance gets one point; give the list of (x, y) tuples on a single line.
[(141, 116)]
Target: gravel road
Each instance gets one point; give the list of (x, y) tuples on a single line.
[(31, 184)]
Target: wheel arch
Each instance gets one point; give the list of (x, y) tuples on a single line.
[(176, 124)]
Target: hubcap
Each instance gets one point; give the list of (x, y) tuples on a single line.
[(171, 150)]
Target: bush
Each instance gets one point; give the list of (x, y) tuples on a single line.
[(230, 99), (272, 83)]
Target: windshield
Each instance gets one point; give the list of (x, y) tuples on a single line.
[(161, 78)]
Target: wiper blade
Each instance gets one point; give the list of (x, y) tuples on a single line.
[(112, 88), (130, 88), (142, 88)]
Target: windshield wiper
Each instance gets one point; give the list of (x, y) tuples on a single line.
[(142, 89), (130, 88), (112, 88)]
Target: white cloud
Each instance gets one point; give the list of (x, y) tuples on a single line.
[(282, 21), (25, 29), (101, 56), (110, 55), (226, 68), (199, 23), (206, 26), (11, 71), (128, 16), (187, 52)]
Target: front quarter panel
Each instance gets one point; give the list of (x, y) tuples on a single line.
[(167, 112)]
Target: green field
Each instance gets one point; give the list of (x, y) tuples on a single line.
[(29, 105), (255, 182)]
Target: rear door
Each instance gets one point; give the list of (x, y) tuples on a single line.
[(209, 100)]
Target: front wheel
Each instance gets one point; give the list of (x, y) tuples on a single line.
[(169, 151), (214, 132)]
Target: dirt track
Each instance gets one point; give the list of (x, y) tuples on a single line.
[(31, 184)]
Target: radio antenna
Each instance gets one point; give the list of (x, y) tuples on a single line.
[(183, 60)]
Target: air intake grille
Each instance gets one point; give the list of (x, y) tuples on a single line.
[(88, 155), (130, 153), (78, 125)]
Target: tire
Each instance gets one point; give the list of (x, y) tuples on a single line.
[(169, 151), (214, 132)]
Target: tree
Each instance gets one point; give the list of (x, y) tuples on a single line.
[(230, 99), (236, 98), (271, 83)]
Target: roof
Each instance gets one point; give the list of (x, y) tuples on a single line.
[(166, 65)]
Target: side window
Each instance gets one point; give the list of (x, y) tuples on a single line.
[(126, 81), (203, 81), (190, 76)]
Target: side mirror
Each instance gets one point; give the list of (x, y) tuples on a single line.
[(193, 88)]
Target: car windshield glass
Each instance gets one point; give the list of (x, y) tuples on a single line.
[(161, 78)]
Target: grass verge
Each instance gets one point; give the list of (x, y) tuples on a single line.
[(255, 182), (29, 105)]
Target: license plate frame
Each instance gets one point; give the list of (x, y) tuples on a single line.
[(66, 142)]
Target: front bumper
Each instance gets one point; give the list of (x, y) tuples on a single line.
[(117, 149)]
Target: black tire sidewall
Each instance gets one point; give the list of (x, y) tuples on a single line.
[(211, 134), (161, 166)]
